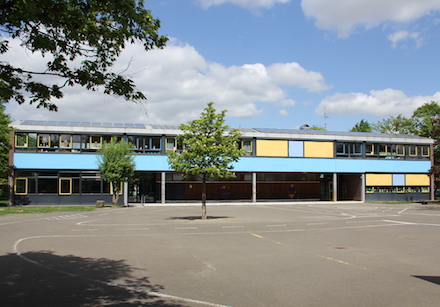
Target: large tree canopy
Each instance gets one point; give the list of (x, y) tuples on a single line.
[(92, 32)]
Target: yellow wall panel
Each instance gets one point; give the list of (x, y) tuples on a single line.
[(318, 150), (272, 148), (417, 180), (379, 180)]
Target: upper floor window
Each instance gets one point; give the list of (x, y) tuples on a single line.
[(247, 146), (43, 141), (348, 149)]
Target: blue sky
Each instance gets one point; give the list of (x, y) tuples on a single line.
[(274, 63)]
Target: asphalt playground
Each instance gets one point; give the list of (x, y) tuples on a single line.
[(265, 254)]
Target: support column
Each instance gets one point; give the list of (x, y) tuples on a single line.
[(363, 187), (125, 194), (162, 188), (335, 187), (254, 187)]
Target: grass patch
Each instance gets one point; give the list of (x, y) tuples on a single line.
[(43, 209)]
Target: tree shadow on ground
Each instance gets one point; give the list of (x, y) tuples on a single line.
[(433, 279), (45, 279), (198, 217)]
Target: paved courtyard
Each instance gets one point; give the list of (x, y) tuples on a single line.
[(292, 254)]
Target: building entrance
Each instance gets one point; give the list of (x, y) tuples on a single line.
[(142, 188)]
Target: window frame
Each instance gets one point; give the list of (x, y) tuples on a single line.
[(39, 140), (121, 188), (60, 186), (26, 143), (62, 146), (92, 141), (26, 189)]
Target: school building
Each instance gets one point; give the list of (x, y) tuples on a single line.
[(55, 162)]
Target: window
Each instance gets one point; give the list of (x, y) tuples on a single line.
[(247, 146), (20, 186), (95, 142), (47, 185), (341, 149), (65, 186), (356, 149), (120, 189), (369, 149), (173, 144), (65, 141), (425, 151), (412, 150), (21, 140), (383, 149), (400, 150), (91, 185), (348, 149), (43, 140)]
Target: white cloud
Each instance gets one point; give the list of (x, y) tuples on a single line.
[(283, 112), (345, 15), (293, 74), (178, 83), (400, 36), (388, 102), (249, 4)]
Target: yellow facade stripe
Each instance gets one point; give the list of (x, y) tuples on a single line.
[(272, 148), (417, 180), (318, 149), (379, 180)]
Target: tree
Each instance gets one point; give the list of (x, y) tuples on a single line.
[(116, 163), (320, 128), (87, 33), (396, 125), (362, 126), (208, 149), (5, 137), (425, 119)]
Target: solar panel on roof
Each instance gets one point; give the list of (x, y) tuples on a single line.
[(139, 125), (128, 125), (95, 124), (118, 125)]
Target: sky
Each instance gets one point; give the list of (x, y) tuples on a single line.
[(270, 64)]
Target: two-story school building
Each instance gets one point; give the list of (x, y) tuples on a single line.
[(55, 162)]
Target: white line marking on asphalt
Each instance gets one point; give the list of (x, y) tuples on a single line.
[(400, 212), (136, 228), (317, 224), (84, 229), (281, 225), (408, 223), (232, 226), (185, 228)]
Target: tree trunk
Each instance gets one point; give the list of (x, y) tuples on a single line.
[(115, 196), (204, 197)]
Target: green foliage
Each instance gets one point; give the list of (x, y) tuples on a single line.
[(320, 128), (362, 126), (209, 146), (396, 125), (92, 31), (209, 149), (424, 118), (5, 137), (116, 163)]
